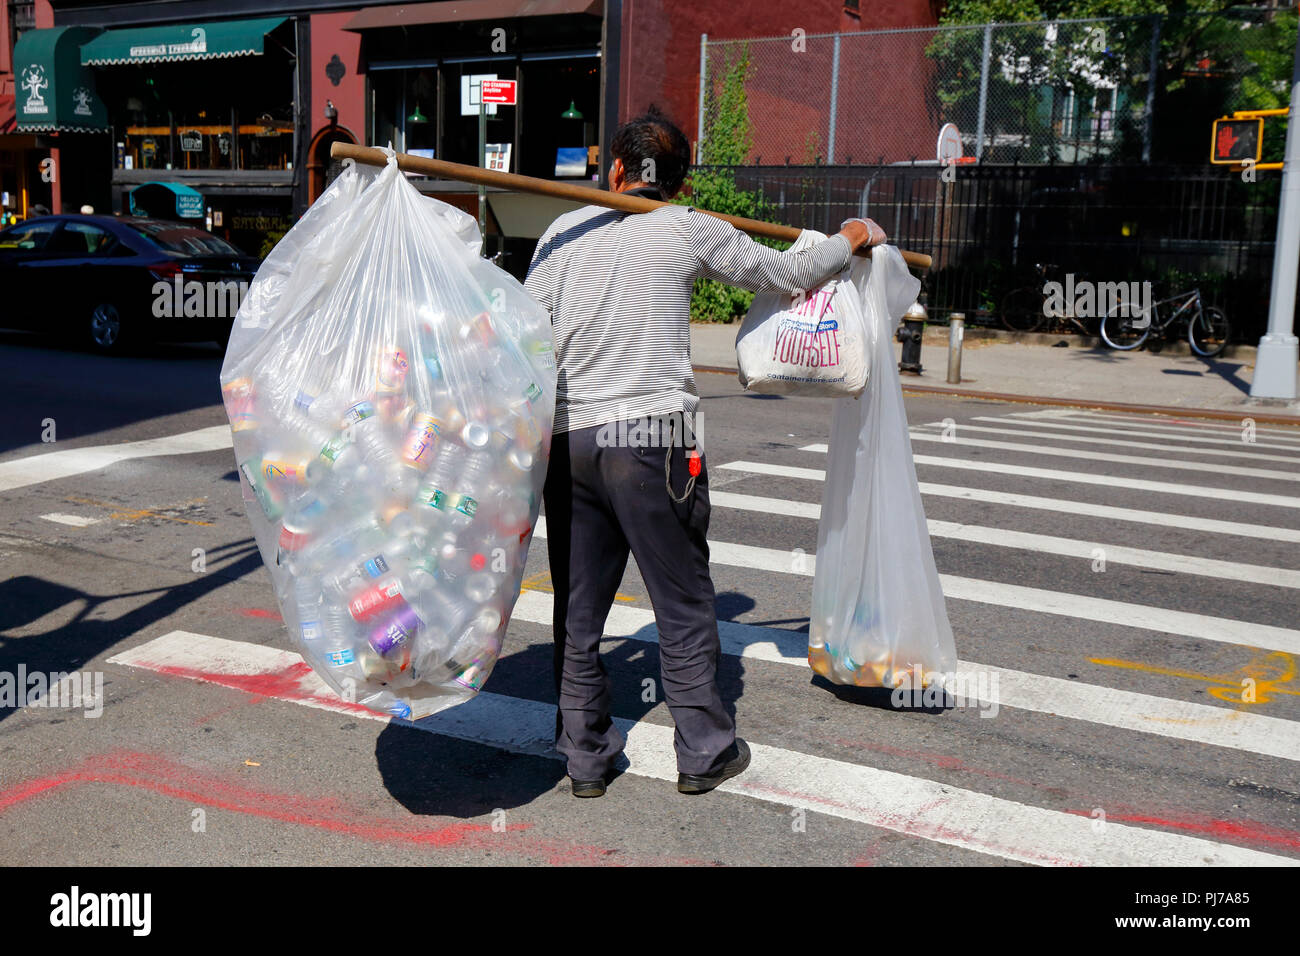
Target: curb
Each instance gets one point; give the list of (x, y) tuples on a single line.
[(1175, 411), (938, 335)]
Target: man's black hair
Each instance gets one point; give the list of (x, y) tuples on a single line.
[(653, 137)]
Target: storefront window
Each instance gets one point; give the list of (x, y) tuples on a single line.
[(551, 87), (233, 113), (22, 17), (535, 138), (406, 110)]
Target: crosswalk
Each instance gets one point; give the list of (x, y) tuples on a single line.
[(1170, 539)]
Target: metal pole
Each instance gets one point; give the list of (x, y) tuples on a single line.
[(1148, 127), (1279, 349), (984, 90), (482, 161), (835, 95), (704, 78), (956, 332)]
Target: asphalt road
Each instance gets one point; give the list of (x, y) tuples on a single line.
[(1120, 732)]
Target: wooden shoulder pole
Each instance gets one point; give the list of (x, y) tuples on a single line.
[(583, 194)]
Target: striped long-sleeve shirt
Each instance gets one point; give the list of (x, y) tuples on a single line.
[(618, 287)]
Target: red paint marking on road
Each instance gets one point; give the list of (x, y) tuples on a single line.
[(282, 685), (259, 612), (1249, 832), (910, 826), (159, 774), (945, 762)]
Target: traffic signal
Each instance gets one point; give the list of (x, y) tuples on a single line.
[(1234, 141)]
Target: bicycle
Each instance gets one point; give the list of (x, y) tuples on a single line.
[(1025, 309), (1125, 328)]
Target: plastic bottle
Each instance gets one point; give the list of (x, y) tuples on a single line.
[(307, 606), (438, 492), (475, 482), (450, 611), (386, 702), (354, 574), (376, 449), (347, 543)]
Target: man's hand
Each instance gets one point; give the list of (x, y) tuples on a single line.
[(862, 232)]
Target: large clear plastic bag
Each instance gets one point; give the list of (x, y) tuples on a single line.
[(878, 614), (391, 396), (811, 344)]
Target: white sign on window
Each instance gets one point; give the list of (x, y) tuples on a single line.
[(469, 94)]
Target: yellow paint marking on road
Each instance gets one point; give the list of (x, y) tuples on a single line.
[(542, 582), (120, 514), (1229, 688)]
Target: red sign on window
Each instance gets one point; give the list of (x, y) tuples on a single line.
[(499, 91)]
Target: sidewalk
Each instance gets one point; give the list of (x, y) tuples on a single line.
[(1079, 372)]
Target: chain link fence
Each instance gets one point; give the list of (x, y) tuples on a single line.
[(1071, 91)]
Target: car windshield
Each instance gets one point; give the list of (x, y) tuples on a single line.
[(183, 240)]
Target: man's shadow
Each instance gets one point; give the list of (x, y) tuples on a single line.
[(434, 775), (66, 648)]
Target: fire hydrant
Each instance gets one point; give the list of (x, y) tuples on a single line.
[(909, 333)]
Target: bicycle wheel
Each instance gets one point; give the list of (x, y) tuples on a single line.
[(1208, 332), (1123, 331), (1022, 309)]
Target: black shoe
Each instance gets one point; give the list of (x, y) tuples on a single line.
[(587, 788), (703, 783)]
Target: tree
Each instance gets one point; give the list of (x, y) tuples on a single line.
[(1213, 57)]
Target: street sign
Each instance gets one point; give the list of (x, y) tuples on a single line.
[(499, 91), (1233, 141)]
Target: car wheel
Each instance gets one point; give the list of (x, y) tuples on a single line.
[(105, 329)]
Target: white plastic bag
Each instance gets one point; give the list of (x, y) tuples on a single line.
[(390, 396), (878, 614), (812, 344)]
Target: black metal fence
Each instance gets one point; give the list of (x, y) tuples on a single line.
[(987, 229)]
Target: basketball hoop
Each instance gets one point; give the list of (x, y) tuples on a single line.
[(948, 150)]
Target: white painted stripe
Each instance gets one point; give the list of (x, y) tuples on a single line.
[(779, 471), (1063, 604), (54, 465), (800, 509), (1187, 428), (999, 468), (76, 521), (1053, 451), (892, 801), (1111, 512), (1179, 720), (1061, 424), (1059, 435), (1221, 630), (1044, 544)]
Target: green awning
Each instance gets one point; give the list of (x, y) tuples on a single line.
[(55, 92), (148, 199), (193, 41)]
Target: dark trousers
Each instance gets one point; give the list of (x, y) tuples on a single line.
[(603, 501)]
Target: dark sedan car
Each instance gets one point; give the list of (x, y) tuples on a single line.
[(112, 282)]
